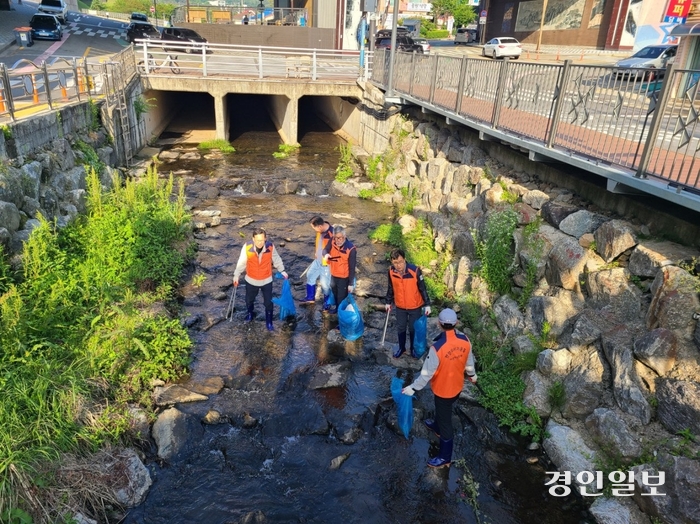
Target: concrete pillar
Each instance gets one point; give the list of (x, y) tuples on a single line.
[(221, 116), (284, 112)]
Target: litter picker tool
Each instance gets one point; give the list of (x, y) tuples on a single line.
[(231, 304), (305, 271), (386, 323)]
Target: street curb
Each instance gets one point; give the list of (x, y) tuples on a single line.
[(4, 47)]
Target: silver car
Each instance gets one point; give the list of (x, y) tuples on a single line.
[(647, 63), (423, 42), (502, 47)]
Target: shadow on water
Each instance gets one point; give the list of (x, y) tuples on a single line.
[(278, 435)]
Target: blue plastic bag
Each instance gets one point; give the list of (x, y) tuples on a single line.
[(404, 406), (420, 336), (286, 301), (350, 319)]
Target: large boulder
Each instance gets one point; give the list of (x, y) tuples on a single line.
[(657, 350), (172, 430), (648, 257), (609, 429), (565, 264), (581, 222), (508, 316), (612, 289), (674, 300), (567, 450), (679, 405), (583, 385), (614, 238)]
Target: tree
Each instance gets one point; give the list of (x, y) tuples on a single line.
[(459, 9)]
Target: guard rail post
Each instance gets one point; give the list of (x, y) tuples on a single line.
[(460, 86), (559, 94), (433, 79), (656, 122), (47, 85), (502, 75)]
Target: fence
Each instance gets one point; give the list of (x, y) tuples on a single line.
[(240, 15), (638, 119)]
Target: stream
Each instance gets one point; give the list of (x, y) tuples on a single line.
[(269, 458)]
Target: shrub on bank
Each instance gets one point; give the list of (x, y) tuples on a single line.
[(79, 334)]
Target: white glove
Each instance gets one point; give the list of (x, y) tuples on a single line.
[(350, 289), (427, 311), (285, 275), (408, 390), (387, 307), (472, 378)]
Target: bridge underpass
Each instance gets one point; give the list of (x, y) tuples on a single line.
[(216, 105)]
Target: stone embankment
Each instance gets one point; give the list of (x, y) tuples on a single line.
[(616, 309)]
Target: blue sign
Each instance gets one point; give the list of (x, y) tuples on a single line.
[(674, 20)]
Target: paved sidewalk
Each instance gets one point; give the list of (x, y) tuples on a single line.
[(19, 16)]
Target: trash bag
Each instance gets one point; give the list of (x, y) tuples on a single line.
[(404, 406), (286, 301), (420, 336), (331, 299), (350, 319)]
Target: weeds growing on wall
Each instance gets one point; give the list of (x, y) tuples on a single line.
[(94, 109), (533, 244), (6, 131), (345, 170), (142, 106), (222, 145), (495, 251), (80, 335), (89, 157)]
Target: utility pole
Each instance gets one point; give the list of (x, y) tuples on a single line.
[(539, 33), (392, 51)]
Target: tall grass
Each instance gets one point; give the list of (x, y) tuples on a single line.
[(77, 340)]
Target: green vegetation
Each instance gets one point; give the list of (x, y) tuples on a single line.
[(6, 131), (199, 279), (378, 168), (284, 150), (163, 9), (469, 488), (345, 170), (95, 121), (463, 14), (410, 199), (508, 197), (495, 251), (142, 106), (222, 145), (556, 394), (82, 335), (533, 244), (90, 159)]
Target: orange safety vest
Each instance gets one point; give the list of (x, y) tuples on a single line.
[(323, 239), (406, 293), (340, 268), (453, 350), (259, 267)]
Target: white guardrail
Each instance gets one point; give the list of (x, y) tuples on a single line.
[(156, 57)]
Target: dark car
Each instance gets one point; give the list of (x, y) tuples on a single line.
[(403, 43), (138, 30), (139, 17), (400, 30), (181, 35), (46, 26)]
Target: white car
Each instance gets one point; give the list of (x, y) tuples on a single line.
[(58, 8), (501, 47), (647, 63), (424, 44)]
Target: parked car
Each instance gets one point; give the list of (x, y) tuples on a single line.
[(400, 30), (423, 42), (46, 26), (139, 17), (403, 43), (464, 36), (183, 35), (501, 47), (138, 30), (58, 8), (649, 58)]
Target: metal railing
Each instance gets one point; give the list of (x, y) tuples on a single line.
[(255, 62), (637, 119), (30, 88)]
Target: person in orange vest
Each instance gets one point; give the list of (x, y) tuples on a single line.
[(448, 358), (319, 270), (407, 290), (256, 259), (341, 255)]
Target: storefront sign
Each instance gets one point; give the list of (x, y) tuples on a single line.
[(423, 8), (678, 8)]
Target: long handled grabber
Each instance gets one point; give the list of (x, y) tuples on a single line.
[(231, 305), (305, 271), (386, 323)]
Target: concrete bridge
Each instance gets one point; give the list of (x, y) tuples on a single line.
[(282, 76)]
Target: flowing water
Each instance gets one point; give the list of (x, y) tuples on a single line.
[(269, 458)]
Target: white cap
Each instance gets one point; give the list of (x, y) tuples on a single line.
[(447, 316)]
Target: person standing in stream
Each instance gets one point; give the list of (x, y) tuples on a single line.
[(319, 269), (341, 255), (406, 290), (448, 359), (256, 259)]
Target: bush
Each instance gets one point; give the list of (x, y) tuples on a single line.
[(436, 34)]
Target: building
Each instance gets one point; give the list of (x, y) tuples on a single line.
[(605, 24)]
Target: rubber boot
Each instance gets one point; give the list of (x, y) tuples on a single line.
[(326, 302), (402, 345), (310, 294), (251, 314), (268, 320), (444, 458), (413, 352), (432, 426)]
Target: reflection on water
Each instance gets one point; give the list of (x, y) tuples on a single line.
[(280, 467)]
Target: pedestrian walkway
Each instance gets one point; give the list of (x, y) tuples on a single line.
[(19, 16)]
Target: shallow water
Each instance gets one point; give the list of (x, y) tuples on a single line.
[(279, 468)]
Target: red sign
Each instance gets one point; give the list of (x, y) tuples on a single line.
[(678, 8)]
